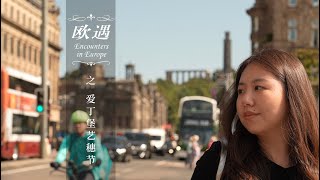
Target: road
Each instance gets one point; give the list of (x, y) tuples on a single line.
[(157, 168)]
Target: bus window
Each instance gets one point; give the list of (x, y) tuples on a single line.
[(25, 124), (24, 86), (197, 106)]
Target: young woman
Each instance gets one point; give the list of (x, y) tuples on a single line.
[(269, 119)]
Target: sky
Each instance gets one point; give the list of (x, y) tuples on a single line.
[(157, 36)]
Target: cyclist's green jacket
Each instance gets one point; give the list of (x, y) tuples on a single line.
[(77, 148)]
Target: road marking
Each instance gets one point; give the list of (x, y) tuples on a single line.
[(127, 170), (14, 171), (170, 164), (160, 163)]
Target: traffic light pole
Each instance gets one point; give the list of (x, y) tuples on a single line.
[(44, 70)]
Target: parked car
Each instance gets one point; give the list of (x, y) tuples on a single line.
[(140, 144), (119, 148), (158, 140)]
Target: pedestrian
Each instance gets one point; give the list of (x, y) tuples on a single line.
[(269, 119), (212, 140), (189, 152), (75, 147), (196, 150)]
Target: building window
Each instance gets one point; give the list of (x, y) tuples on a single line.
[(119, 121), (54, 37), (315, 38), (5, 42), (35, 26), (35, 56), (53, 64), (12, 45), (30, 49), (292, 3), (315, 3), (18, 48), (292, 30), (128, 122), (6, 9), (256, 24), (24, 51), (11, 12), (50, 59), (315, 34), (49, 34), (18, 16), (24, 19), (29, 23)]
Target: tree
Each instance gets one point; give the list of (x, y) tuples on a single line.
[(310, 60), (72, 75), (174, 92)]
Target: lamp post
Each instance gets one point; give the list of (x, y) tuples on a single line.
[(44, 70)]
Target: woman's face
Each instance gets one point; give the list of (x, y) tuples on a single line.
[(261, 103)]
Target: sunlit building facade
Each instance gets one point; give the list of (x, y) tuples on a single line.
[(284, 24), (21, 64)]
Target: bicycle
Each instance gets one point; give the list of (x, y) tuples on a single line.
[(82, 172)]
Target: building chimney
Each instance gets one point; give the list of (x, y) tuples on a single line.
[(130, 72), (227, 53)]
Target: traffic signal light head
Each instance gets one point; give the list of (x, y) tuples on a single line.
[(40, 108), (40, 100)]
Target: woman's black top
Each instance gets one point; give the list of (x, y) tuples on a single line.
[(207, 166)]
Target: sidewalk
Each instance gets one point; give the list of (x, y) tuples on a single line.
[(11, 164), (14, 164)]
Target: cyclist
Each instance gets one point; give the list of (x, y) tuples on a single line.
[(74, 147)]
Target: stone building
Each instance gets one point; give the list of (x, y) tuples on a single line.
[(120, 104), (134, 105), (182, 76), (284, 24), (20, 54)]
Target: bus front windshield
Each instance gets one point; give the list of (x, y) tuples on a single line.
[(196, 107)]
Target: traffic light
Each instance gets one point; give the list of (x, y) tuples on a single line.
[(40, 100)]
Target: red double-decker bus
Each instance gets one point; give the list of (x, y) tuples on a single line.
[(20, 132)]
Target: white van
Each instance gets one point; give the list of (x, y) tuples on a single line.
[(158, 139)]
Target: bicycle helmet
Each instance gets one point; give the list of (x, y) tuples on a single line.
[(79, 117)]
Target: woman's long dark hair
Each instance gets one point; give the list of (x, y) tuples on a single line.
[(244, 156)]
